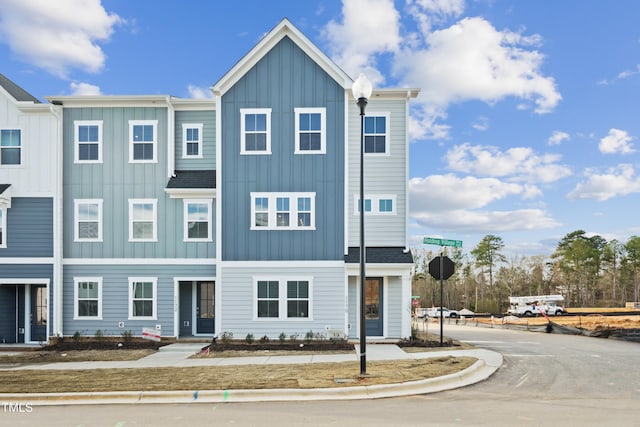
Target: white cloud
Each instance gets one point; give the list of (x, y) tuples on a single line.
[(618, 181), (481, 123), (518, 163), (368, 28), (85, 89), (57, 35), (471, 60), (617, 141), (557, 137), (430, 12), (486, 221), (199, 92)]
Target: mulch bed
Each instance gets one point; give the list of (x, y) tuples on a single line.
[(102, 344), (274, 346)]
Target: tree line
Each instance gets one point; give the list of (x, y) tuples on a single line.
[(588, 271)]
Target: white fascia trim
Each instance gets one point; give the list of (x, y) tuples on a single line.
[(171, 136), (218, 289), (139, 261), (345, 204), (379, 269), (407, 176), (281, 264), (25, 280), (43, 260), (191, 193)]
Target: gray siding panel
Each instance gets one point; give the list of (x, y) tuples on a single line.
[(208, 120), (116, 181), (328, 300), (284, 79), (29, 228), (395, 309), (115, 296)]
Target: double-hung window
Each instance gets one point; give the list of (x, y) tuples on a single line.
[(88, 220), (88, 297), (376, 134), (311, 132), (143, 220), (143, 298), (3, 227), (143, 141), (197, 224), (255, 131), (10, 147), (88, 141), (283, 211), (192, 141), (283, 298)]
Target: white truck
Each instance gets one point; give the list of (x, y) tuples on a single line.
[(534, 305), (435, 312)]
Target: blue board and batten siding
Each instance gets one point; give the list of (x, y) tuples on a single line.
[(29, 228), (284, 79), (208, 121), (115, 181)]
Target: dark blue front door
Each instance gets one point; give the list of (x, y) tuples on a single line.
[(373, 306)]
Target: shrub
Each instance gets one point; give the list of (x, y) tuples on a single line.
[(99, 335), (127, 336), (249, 338), (282, 337), (226, 337), (76, 336), (264, 339), (308, 337)]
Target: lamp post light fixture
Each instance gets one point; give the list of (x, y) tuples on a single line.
[(361, 90)]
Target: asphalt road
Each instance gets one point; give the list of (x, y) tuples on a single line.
[(546, 379)]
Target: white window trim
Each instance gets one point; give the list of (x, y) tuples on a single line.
[(133, 202), (387, 137), (293, 212), (243, 113), (198, 126), (133, 123), (76, 145), (209, 203), (154, 281), (375, 204), (282, 298), (76, 219), (76, 281), (323, 130), (3, 226), (21, 146)]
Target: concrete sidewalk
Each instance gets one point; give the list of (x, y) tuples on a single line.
[(178, 355)]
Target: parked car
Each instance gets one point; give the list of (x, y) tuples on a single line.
[(435, 312)]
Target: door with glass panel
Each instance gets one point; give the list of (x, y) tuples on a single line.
[(373, 306), (205, 307)]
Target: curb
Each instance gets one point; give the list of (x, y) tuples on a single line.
[(479, 371)]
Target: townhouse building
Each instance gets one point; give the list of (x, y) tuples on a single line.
[(233, 214), (30, 214)]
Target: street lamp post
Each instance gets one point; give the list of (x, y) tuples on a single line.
[(361, 90)]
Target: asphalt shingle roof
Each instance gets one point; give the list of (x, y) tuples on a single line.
[(380, 255), (4, 187), (16, 91), (193, 179)]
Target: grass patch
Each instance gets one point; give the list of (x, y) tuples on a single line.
[(30, 357), (228, 377)]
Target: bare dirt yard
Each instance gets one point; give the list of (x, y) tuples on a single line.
[(591, 322)]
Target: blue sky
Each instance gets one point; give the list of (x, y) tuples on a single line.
[(526, 126)]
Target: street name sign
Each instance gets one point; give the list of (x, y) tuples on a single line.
[(442, 242)]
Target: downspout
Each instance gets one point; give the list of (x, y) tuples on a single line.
[(406, 159), (171, 138)]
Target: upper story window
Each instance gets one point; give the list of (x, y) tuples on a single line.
[(88, 141), (88, 298), (198, 219), (376, 205), (3, 227), (10, 147), (88, 220), (376, 135), (283, 211), (143, 141), (255, 131), (192, 141), (143, 221), (311, 133)]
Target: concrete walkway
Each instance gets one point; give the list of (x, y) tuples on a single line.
[(178, 355)]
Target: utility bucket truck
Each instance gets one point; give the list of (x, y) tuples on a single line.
[(536, 305)]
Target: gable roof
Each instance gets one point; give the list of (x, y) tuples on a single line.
[(16, 91), (284, 29), (193, 179), (4, 187)]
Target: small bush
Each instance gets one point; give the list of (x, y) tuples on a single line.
[(308, 337), (226, 337), (99, 335), (264, 339), (127, 336), (282, 337), (249, 338), (76, 336)]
